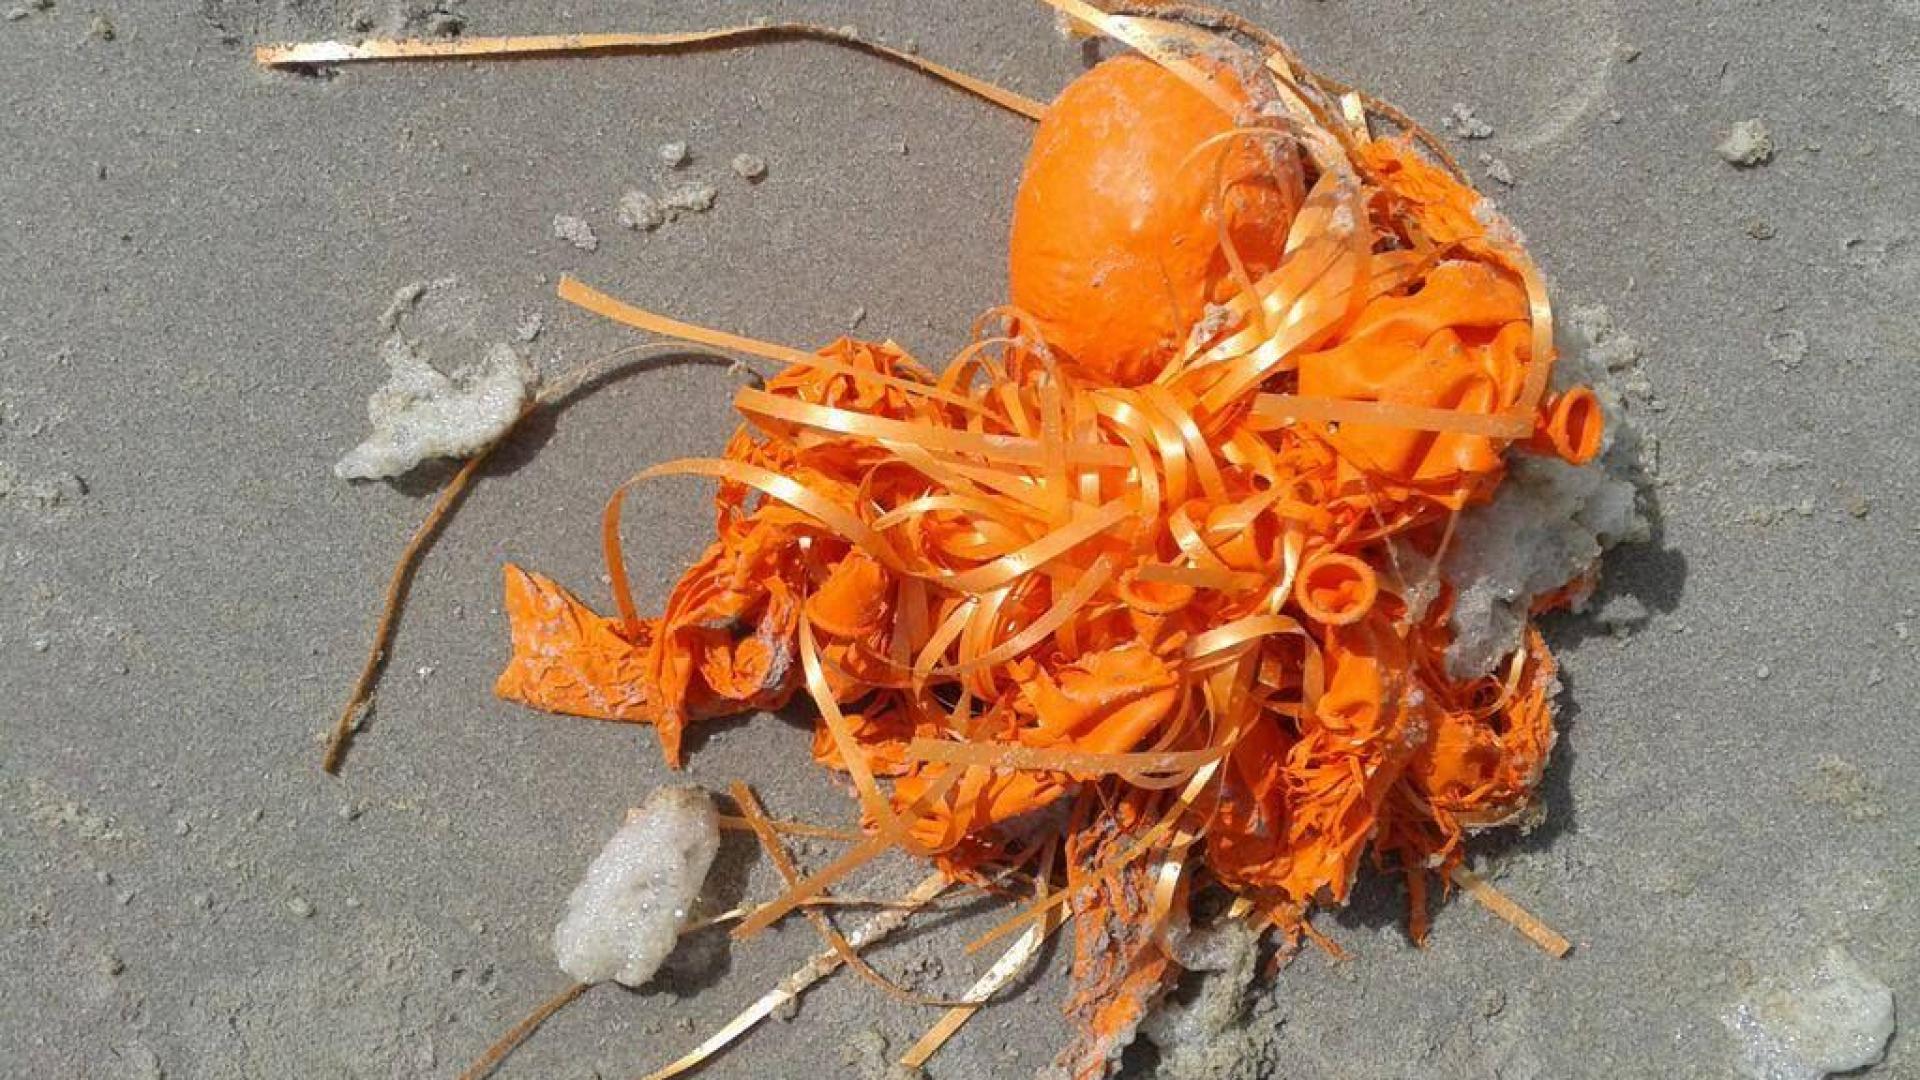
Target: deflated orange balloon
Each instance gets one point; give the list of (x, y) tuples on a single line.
[(1115, 250)]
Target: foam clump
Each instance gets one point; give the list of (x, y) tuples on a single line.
[(1203, 1030), (1748, 143), (423, 413), (626, 914), (1550, 521), (1835, 1020)]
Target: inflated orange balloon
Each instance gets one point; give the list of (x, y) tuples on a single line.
[(1115, 250)]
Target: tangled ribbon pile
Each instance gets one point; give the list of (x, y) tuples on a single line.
[(1181, 631)]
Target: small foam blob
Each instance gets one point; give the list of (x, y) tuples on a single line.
[(689, 198), (1550, 521), (639, 210), (626, 914), (1462, 122), (1203, 1028), (1836, 1019), (1747, 143), (422, 413), (575, 231)]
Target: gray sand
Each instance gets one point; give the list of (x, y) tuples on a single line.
[(196, 258)]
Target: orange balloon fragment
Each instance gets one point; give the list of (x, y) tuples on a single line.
[(567, 659), (1115, 252), (1458, 343), (1572, 426), (1335, 589), (1143, 593)]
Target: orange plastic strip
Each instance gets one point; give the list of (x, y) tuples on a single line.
[(1194, 577), (852, 754), (575, 292), (341, 52), (790, 988), (1513, 914), (1540, 309), (942, 638), (1199, 451), (776, 852), (1015, 960), (768, 914), (1063, 609), (1147, 840), (1042, 551), (1239, 632), (585, 296), (1272, 411), (1021, 758), (928, 504), (794, 828), (1008, 448), (1133, 33)]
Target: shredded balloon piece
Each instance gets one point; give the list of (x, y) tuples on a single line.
[(1140, 594)]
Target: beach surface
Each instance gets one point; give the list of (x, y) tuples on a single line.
[(201, 260)]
